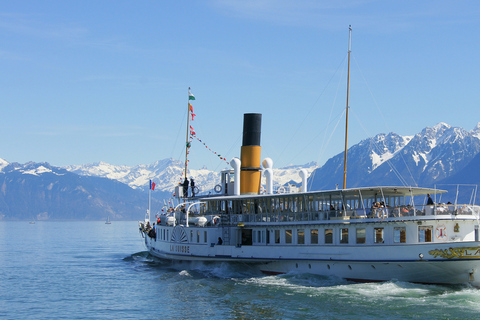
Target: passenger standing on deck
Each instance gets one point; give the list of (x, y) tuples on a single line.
[(185, 188), (192, 185), (429, 201)]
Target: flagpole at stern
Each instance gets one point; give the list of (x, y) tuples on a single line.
[(149, 199), (187, 143)]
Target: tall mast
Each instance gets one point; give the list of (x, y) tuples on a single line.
[(346, 124), (149, 199), (187, 143)]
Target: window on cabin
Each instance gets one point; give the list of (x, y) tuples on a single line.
[(314, 236), (300, 236), (399, 234), (288, 236), (277, 236), (361, 235), (205, 236), (425, 233), (328, 235), (198, 236), (344, 235), (378, 235)]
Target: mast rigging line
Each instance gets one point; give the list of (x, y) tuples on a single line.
[(394, 169), (328, 141), (307, 115), (180, 127), (386, 125)]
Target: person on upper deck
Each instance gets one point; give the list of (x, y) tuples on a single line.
[(185, 188), (429, 201), (192, 185)]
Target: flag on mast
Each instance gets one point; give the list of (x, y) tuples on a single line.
[(190, 95), (152, 185)]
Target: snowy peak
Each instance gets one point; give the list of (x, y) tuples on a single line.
[(37, 171), (476, 131), (432, 155), (290, 174), (168, 173), (101, 169), (3, 164), (379, 149), (162, 171), (32, 168)]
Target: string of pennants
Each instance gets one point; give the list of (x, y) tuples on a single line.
[(194, 135)]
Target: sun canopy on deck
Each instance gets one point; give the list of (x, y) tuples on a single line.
[(365, 192)]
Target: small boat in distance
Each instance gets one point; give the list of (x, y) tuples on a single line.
[(108, 221), (367, 234)]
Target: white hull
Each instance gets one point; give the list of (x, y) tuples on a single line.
[(379, 262)]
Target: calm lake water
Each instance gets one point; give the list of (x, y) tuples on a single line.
[(90, 270)]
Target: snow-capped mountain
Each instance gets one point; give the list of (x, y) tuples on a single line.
[(168, 173), (43, 192), (424, 159), (290, 174)]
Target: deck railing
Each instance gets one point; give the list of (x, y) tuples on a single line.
[(373, 213)]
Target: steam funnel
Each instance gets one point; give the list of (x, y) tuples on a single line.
[(250, 174)]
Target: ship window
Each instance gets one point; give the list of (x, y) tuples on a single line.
[(277, 236), (191, 235), (314, 236), (344, 235), (288, 236), (300, 236), (205, 236), (399, 235), (328, 235), (476, 233), (361, 235), (425, 234), (259, 237), (247, 236), (378, 235), (198, 236)]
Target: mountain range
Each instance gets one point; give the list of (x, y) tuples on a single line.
[(424, 159), (437, 155)]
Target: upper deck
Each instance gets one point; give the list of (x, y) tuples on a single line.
[(359, 204)]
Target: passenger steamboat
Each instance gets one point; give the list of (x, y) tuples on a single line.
[(376, 233)]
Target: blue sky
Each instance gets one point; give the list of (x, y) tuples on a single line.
[(90, 81)]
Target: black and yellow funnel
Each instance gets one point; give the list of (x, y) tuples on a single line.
[(250, 173)]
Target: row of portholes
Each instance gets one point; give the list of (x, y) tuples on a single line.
[(328, 266)]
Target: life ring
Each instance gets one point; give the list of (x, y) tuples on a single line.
[(215, 221), (262, 190), (196, 190), (218, 188), (281, 190)]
